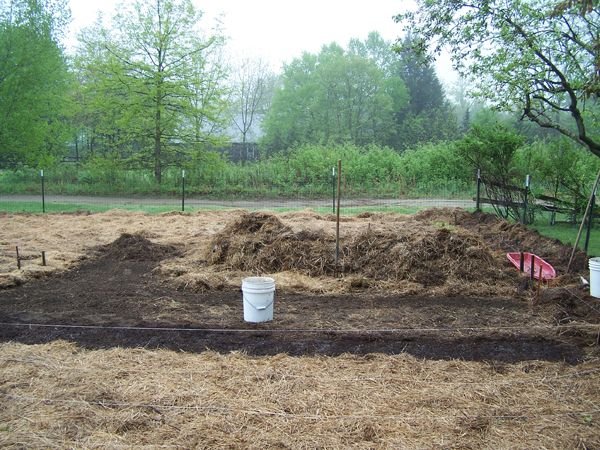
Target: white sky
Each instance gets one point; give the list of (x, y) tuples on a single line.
[(278, 31)]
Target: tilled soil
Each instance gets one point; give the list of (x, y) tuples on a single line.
[(114, 300)]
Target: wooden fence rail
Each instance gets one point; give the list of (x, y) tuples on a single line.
[(519, 203)]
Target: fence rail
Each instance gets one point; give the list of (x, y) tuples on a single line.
[(520, 203)]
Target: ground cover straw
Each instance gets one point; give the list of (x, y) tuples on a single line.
[(58, 395)]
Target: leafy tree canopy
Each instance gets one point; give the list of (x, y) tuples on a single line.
[(538, 57), (490, 145), (337, 96), (151, 83), (34, 82)]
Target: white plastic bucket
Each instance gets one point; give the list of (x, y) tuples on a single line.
[(259, 296), (595, 277)]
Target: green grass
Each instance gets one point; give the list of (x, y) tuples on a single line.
[(36, 207), (352, 210), (567, 233)]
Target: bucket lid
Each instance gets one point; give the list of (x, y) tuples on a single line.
[(595, 261), (261, 281)]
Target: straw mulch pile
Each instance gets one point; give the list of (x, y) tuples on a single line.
[(436, 252), (429, 255), (261, 243), (508, 237), (60, 396), (68, 239)]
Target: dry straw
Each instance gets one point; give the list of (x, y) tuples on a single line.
[(57, 395), (425, 254), (60, 396), (436, 252)]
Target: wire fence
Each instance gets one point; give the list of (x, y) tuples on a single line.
[(71, 189), (436, 330)]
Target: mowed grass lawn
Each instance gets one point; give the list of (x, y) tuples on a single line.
[(567, 234)]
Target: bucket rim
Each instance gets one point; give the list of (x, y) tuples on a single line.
[(258, 280)]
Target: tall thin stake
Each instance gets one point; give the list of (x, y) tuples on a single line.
[(337, 226), (589, 223), (587, 210), (183, 190), (333, 187), (43, 192), (478, 200), (526, 200)]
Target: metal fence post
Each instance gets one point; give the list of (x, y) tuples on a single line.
[(590, 219), (183, 190), (477, 202), (43, 191), (337, 226), (333, 187), (525, 203)]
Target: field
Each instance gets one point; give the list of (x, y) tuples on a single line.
[(421, 336)]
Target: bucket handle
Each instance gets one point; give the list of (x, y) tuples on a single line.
[(259, 308)]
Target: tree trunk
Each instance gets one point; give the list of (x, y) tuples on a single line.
[(157, 146)]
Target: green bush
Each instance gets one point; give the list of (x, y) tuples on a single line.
[(306, 171)]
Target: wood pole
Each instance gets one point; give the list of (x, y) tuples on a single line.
[(337, 225), (587, 211)]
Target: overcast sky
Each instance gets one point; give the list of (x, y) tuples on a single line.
[(278, 31)]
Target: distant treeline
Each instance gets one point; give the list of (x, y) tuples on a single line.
[(556, 168)]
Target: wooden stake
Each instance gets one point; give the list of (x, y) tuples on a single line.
[(18, 258), (522, 262), (585, 214), (337, 226), (43, 258), (532, 266)]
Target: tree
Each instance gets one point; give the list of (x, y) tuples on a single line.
[(565, 167), (377, 50), (334, 97), (491, 145), (428, 117), (538, 57), (208, 100), (34, 82), (250, 91), (148, 77), (426, 92), (464, 104)]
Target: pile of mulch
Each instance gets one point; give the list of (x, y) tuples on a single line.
[(515, 237), (136, 247), (261, 243), (429, 257)]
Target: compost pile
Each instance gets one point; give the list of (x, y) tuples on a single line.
[(428, 256), (261, 243), (136, 247)]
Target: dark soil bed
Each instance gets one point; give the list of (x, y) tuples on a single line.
[(113, 299)]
